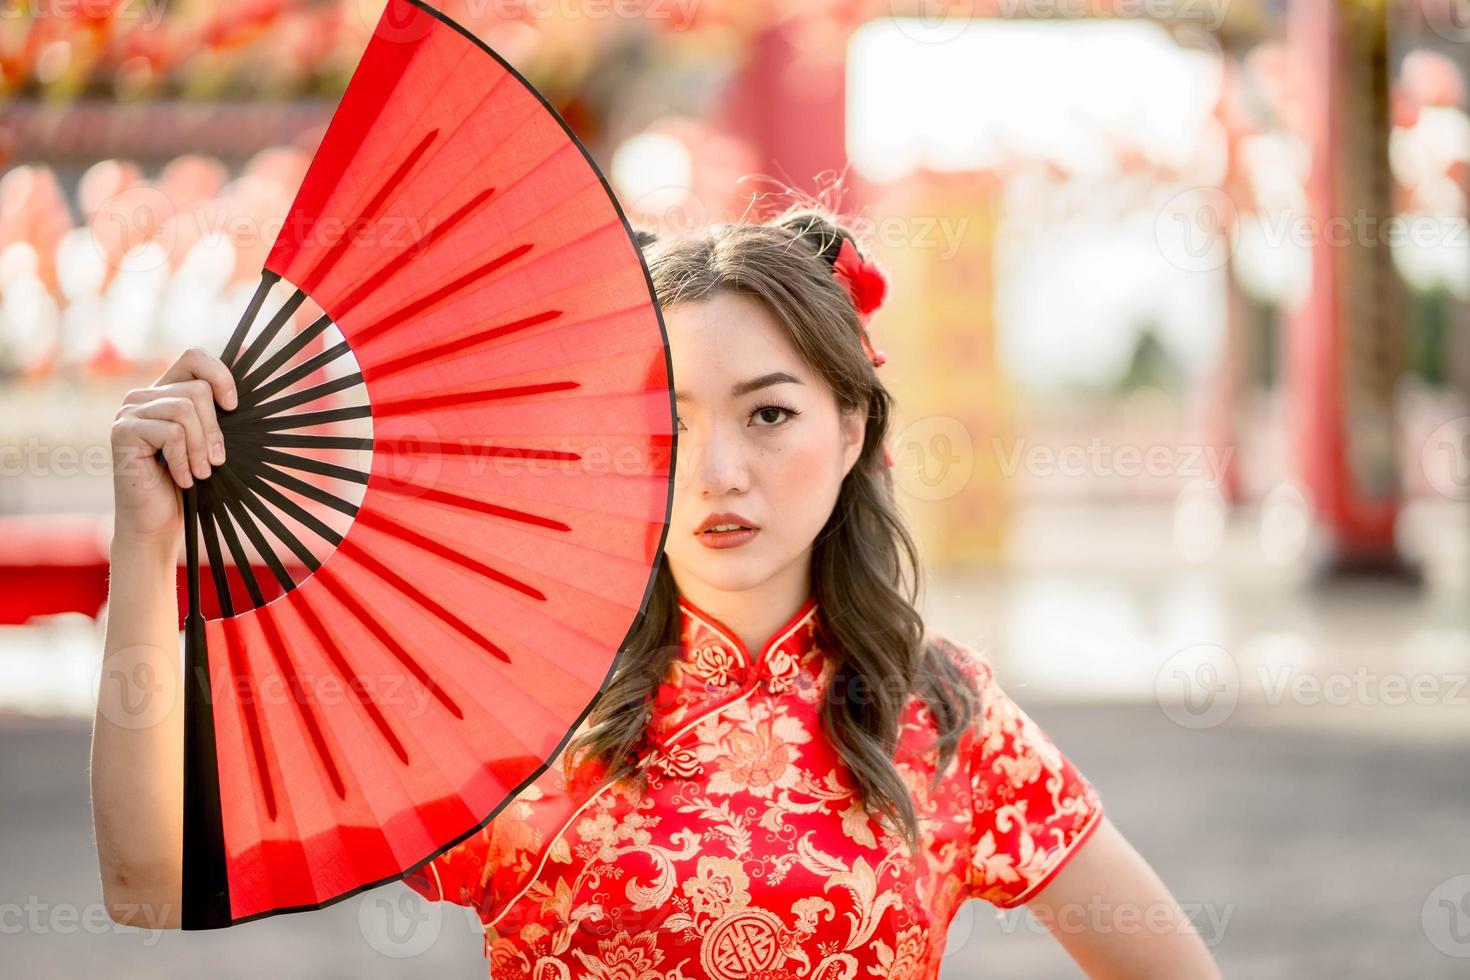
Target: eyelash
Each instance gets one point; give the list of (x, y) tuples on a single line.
[(791, 412)]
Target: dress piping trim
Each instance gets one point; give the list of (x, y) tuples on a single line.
[(807, 610), (1072, 848)]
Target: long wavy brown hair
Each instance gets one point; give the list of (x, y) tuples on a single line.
[(865, 564)]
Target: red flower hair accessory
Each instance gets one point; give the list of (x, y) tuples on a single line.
[(866, 286), (864, 281)]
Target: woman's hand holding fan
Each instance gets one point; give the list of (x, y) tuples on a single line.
[(175, 422)]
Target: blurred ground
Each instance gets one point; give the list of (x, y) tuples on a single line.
[(1310, 811)]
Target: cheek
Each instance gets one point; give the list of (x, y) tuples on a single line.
[(805, 475), (800, 463)]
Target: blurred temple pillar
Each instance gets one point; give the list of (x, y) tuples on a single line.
[(935, 234), (1346, 346)]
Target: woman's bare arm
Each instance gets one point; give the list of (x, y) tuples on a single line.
[(137, 735), (137, 738), (1117, 919)]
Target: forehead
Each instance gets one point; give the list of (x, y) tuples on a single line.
[(727, 346)]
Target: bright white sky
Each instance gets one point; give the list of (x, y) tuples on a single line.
[(951, 97)]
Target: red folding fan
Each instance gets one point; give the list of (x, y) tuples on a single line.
[(445, 494)]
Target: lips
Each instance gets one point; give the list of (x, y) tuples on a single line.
[(716, 520)]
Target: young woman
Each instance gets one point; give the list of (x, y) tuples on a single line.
[(788, 776)]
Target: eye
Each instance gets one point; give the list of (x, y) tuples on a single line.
[(774, 408), (679, 419)]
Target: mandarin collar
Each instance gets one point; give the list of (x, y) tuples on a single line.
[(712, 651), (713, 667)]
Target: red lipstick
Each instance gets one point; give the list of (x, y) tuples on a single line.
[(739, 530)]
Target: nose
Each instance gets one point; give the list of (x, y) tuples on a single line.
[(715, 463)]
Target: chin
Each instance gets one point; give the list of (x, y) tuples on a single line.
[(724, 571)]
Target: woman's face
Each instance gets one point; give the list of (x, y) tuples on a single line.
[(761, 437)]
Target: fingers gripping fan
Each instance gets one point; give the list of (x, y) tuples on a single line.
[(445, 493)]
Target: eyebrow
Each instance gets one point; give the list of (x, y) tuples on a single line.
[(746, 387)]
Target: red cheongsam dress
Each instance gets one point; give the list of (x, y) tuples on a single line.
[(749, 857)]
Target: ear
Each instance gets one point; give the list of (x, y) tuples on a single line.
[(854, 427)]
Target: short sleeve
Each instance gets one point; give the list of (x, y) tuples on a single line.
[(1032, 809), (486, 870), (459, 875)]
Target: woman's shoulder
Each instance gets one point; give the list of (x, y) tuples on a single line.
[(994, 719), (971, 659), (950, 693)]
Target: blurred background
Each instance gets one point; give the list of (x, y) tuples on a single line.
[(1177, 330)]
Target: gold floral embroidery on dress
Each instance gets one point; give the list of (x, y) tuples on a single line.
[(782, 668), (714, 662), (677, 761), (748, 856)]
